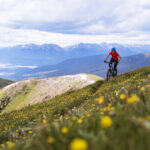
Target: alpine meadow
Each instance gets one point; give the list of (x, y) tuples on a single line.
[(100, 116)]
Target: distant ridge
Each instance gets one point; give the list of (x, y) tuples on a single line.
[(4, 82)]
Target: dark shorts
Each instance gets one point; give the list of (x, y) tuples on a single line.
[(115, 63)]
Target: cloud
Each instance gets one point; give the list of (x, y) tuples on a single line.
[(52, 21), (46, 14), (10, 66), (11, 37), (39, 73), (6, 74)]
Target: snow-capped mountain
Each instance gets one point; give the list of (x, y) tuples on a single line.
[(49, 54)]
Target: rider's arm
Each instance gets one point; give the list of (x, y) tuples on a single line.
[(106, 57), (119, 57)]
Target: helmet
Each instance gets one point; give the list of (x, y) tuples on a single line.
[(113, 49)]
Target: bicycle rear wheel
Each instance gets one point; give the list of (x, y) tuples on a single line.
[(109, 74), (115, 73)]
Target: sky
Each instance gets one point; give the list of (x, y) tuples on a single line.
[(68, 22)]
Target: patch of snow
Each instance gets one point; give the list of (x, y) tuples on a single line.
[(69, 76), (83, 77), (26, 81), (71, 47), (92, 81)]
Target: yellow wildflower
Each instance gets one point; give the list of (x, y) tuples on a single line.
[(133, 99), (87, 114), (101, 113), (148, 117), (64, 130), (30, 132), (106, 121), (142, 89), (50, 140), (66, 118), (101, 100), (79, 121), (109, 105), (123, 96), (78, 144), (93, 105), (10, 144), (44, 121)]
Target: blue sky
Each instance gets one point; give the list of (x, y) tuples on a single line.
[(68, 22)]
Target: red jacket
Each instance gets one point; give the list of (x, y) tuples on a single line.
[(114, 55)]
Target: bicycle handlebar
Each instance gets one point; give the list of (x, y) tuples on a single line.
[(106, 62)]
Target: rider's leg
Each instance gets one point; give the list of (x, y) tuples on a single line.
[(115, 65)]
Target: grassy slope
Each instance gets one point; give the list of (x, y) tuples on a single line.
[(80, 112), (20, 100), (4, 82)]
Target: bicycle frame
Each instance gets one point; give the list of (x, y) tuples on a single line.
[(111, 67), (110, 72)]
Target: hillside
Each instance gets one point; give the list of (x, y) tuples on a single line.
[(33, 91), (113, 115), (4, 82)]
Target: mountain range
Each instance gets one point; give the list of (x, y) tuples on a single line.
[(49, 54), (90, 64), (27, 61)]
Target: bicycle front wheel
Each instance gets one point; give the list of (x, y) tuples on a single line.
[(109, 73)]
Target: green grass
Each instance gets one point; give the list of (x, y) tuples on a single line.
[(81, 112), (94, 77), (21, 100)]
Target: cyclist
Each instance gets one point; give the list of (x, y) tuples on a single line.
[(115, 58)]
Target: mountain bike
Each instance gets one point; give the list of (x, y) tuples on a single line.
[(111, 71)]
